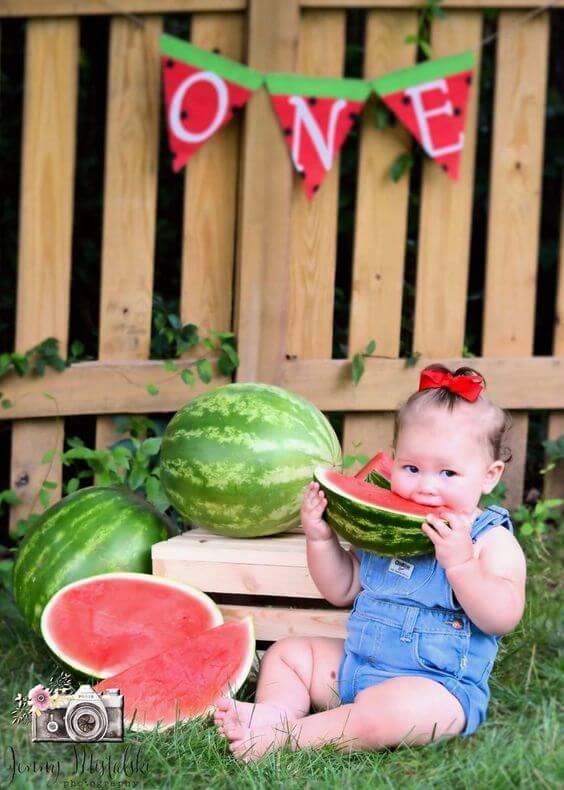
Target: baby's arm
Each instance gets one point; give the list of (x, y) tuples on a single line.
[(488, 578), (334, 570)]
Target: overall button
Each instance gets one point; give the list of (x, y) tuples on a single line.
[(457, 624)]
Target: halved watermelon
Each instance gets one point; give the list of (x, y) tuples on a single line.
[(377, 471), (372, 517), (184, 682), (103, 624)]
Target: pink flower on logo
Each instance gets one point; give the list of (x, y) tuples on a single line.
[(39, 697)]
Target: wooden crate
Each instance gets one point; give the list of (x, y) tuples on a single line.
[(273, 566)]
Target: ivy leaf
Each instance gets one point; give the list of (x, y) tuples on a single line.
[(209, 344), (370, 348), (155, 494), (187, 377), (527, 528), (357, 368), (411, 359), (348, 461), (72, 485), (6, 404), (426, 47), (152, 389), (174, 321), (10, 497), (44, 497), (362, 458), (411, 39), (382, 116), (204, 369), (49, 484), (401, 165), (152, 446), (170, 366), (47, 457)]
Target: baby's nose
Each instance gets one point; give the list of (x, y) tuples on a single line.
[(428, 484)]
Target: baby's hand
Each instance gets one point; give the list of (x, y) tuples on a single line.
[(313, 505), (452, 541)]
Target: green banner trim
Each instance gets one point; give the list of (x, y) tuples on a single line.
[(228, 69), (318, 87), (423, 72)]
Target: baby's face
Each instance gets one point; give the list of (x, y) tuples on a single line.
[(441, 459)]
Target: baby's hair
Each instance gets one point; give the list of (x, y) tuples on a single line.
[(443, 397)]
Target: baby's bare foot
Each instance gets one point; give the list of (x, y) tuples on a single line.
[(248, 744), (232, 712)]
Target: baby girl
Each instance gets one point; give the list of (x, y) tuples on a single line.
[(423, 633)]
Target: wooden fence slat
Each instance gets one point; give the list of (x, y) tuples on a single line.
[(380, 228), (514, 206), (130, 194), (554, 483), (210, 198), (264, 229), (313, 239), (113, 388), (446, 215), (45, 233)]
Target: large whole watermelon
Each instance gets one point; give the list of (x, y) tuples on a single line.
[(92, 531), (237, 460)]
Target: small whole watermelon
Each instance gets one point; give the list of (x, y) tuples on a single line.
[(237, 460), (94, 530)]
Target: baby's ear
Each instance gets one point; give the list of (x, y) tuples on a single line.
[(493, 476)]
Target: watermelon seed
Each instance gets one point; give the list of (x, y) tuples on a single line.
[(302, 174), (457, 111), (445, 168), (170, 64), (469, 79), (354, 116), (315, 188), (236, 108), (287, 132), (406, 100), (312, 101), (184, 114), (216, 50)]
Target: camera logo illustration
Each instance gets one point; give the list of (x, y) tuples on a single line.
[(84, 716)]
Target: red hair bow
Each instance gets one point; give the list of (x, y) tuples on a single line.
[(467, 386)]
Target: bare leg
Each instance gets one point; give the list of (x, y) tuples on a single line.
[(296, 673), (412, 710)]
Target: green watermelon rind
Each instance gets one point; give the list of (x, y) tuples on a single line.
[(377, 479), (52, 555), (191, 592), (319, 87), (389, 533), (423, 72), (237, 460)]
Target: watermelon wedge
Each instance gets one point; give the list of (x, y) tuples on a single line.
[(316, 114), (377, 471), (202, 92), (431, 100), (102, 624), (372, 517), (185, 681)]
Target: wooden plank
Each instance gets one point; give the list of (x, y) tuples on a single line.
[(45, 233), (273, 622), (266, 186), (514, 207), (313, 250), (446, 215), (130, 197), (554, 483), (45, 8), (380, 226), (210, 198), (106, 388), (10, 8)]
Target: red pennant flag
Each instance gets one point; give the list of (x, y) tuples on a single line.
[(202, 92), (316, 115), (430, 100)]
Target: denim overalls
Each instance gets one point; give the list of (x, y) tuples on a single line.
[(405, 621)]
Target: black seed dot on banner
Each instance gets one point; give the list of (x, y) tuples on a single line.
[(184, 114), (457, 111), (469, 79), (216, 50), (354, 116), (406, 100), (170, 64), (445, 168), (316, 187), (312, 101), (302, 174), (287, 132), (235, 108)]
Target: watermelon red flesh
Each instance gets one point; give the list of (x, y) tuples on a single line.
[(185, 681), (444, 129), (377, 471), (106, 623), (374, 518), (308, 157)]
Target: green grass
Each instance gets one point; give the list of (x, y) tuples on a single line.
[(520, 745)]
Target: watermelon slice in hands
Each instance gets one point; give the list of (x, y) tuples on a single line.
[(185, 681), (377, 471), (202, 92), (431, 100), (315, 114)]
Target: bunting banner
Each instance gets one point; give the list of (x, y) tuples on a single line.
[(431, 100), (315, 114), (203, 90)]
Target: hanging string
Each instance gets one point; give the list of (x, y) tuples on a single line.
[(132, 18), (535, 12)]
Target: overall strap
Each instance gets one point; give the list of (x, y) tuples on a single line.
[(493, 516)]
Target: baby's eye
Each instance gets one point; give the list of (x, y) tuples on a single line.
[(449, 472), (411, 468)]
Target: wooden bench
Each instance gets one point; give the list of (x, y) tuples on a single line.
[(240, 573)]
